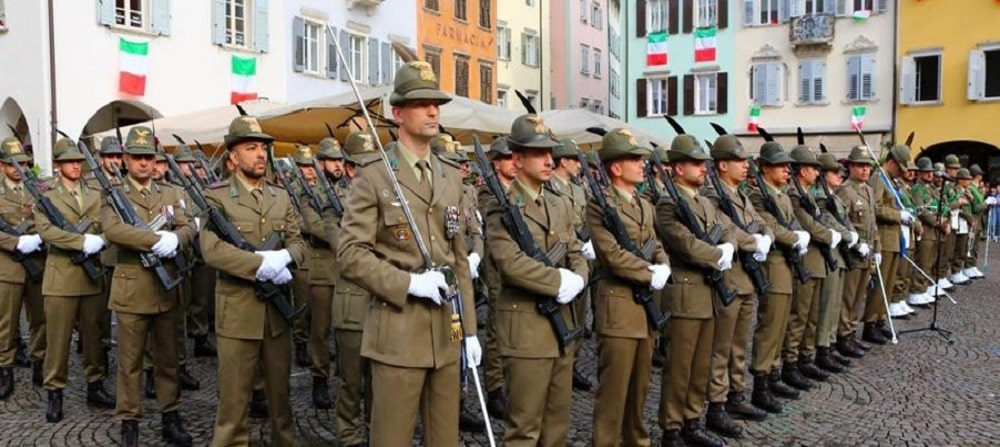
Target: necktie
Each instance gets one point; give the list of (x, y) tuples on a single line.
[(257, 195), (426, 189), (76, 196)]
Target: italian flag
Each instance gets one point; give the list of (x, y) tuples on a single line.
[(656, 48), (244, 79), (133, 57), (754, 119), (857, 117), (862, 15), (704, 44)]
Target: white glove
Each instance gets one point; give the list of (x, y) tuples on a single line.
[(905, 217), (991, 201), (877, 257), (835, 235), (29, 243), (802, 242), (570, 285), (428, 285), (166, 245), (92, 243), (273, 262), (763, 243), (864, 250), (726, 261), (282, 277), (197, 224), (854, 239), (474, 264), (661, 273), (588, 251), (759, 257), (473, 352)]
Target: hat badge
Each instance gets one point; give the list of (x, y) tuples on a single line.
[(140, 136), (367, 145), (539, 124), (13, 147), (631, 138), (251, 124), (426, 73)]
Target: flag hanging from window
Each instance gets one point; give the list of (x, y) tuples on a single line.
[(754, 119), (656, 48), (857, 117), (862, 15), (244, 79), (132, 57), (704, 44)]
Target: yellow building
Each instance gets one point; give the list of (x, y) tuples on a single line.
[(949, 79)]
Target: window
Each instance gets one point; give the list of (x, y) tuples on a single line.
[(433, 57), (862, 5), (529, 48), (357, 57), (597, 63), (812, 81), (992, 81), (462, 10), (818, 7), (705, 94), (503, 41), (502, 98), (583, 11), (486, 83), (529, 2), (236, 23), (462, 75), (584, 103), (707, 13), (584, 59), (597, 107), (861, 77), (764, 12), (129, 13), (657, 14), (765, 83), (984, 74), (614, 88), (485, 20), (658, 96), (3, 15), (432, 5), (926, 83), (595, 16), (313, 31)]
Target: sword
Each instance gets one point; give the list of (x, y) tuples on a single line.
[(885, 299), (927, 277)]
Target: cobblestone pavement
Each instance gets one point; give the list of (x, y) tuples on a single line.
[(923, 391)]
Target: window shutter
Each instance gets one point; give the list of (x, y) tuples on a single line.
[(907, 80), (819, 81), (160, 17), (805, 81), (842, 7), (218, 21), (722, 93), (331, 53), (298, 44), (976, 89), (773, 83), (106, 12), (688, 15), (641, 97), (345, 46), (794, 8), (868, 76), (386, 58), (783, 6), (507, 43), (672, 96), (748, 16), (640, 18), (758, 86), (853, 77), (260, 26), (722, 13), (373, 61), (829, 6), (524, 48), (882, 5), (673, 16), (689, 94)]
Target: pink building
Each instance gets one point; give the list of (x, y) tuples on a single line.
[(579, 64)]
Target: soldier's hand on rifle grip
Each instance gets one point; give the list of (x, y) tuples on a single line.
[(166, 247), (570, 285), (905, 217), (835, 238), (854, 239), (474, 261), (803, 242), (588, 251), (284, 276), (272, 264), (661, 273), (726, 260), (92, 243), (428, 285), (763, 243), (864, 250), (29, 243), (473, 352)]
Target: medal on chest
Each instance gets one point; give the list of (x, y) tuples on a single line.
[(452, 217)]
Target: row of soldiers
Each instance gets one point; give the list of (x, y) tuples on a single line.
[(403, 336)]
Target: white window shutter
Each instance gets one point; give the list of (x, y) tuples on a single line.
[(783, 6), (908, 80), (345, 47), (373, 61), (159, 22), (106, 12), (829, 6), (260, 26), (977, 75), (385, 57), (524, 49), (805, 81), (749, 18), (868, 76), (882, 5), (298, 44), (842, 7), (773, 83), (794, 8), (759, 87), (331, 53), (853, 77), (819, 81), (218, 21)]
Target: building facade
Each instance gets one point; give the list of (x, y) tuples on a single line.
[(523, 53), (580, 54), (616, 51), (458, 39), (949, 80)]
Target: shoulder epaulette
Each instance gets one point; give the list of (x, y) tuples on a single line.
[(219, 184), (273, 183)]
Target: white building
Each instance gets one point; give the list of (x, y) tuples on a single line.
[(523, 53)]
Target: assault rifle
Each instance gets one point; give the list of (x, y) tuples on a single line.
[(331, 196), (831, 206), (810, 207), (33, 270), (276, 295), (750, 265), (518, 229), (792, 255)]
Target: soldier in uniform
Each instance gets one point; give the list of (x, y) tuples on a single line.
[(979, 208), (408, 336), (566, 170), (861, 202), (970, 216), (144, 308), (301, 273), (955, 199), (727, 385), (69, 295), (538, 372), (924, 197), (775, 304), (906, 277), (17, 288), (110, 156), (692, 301), (625, 339), (251, 335)]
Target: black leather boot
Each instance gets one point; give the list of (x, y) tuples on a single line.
[(738, 407), (846, 348), (98, 397), (203, 347), (884, 329), (173, 430), (187, 381), (810, 370), (149, 385), (496, 403), (762, 397), (21, 356), (717, 420), (130, 433), (671, 438), (580, 381), (302, 355), (871, 334), (659, 355), (778, 388), (693, 433), (6, 381), (54, 409), (37, 377), (826, 362), (861, 345), (790, 374), (258, 405), (835, 356), (321, 394)]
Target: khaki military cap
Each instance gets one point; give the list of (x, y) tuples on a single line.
[(359, 147), (964, 174), (183, 154), (939, 167), (975, 170), (686, 147), (566, 148), (952, 161), (140, 141), (530, 132), (303, 155), (329, 149), (13, 151), (499, 148), (66, 150), (901, 154), (111, 146), (245, 128), (661, 153), (728, 147), (620, 143), (860, 155), (446, 146), (772, 153), (828, 162), (416, 81), (924, 164), (802, 155)]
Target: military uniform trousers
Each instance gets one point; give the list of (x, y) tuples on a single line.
[(202, 300), (927, 254), (875, 310), (540, 395), (800, 338), (729, 353), (236, 358), (398, 393), (185, 293), (356, 391), (830, 303), (947, 252), (320, 321), (624, 368), (106, 297), (961, 252), (34, 307), (14, 297), (301, 294), (133, 330), (684, 380), (977, 245), (905, 276), (61, 314), (492, 361), (855, 291)]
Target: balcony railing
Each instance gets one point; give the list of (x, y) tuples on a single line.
[(811, 29)]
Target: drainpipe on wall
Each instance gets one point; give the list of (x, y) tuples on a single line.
[(53, 110), (895, 69)]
